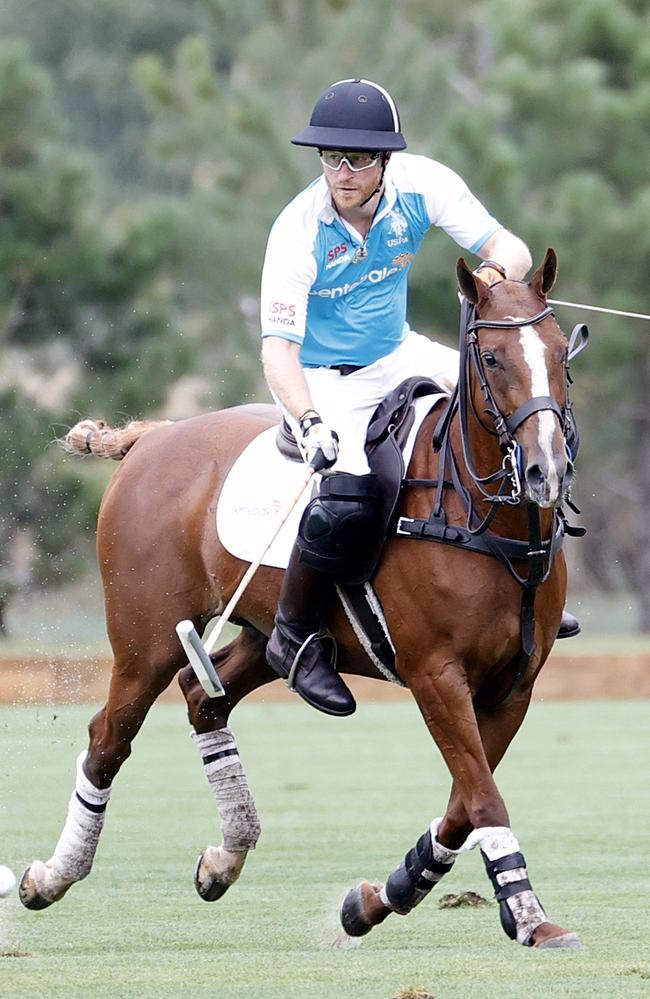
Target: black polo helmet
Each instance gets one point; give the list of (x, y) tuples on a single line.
[(353, 114)]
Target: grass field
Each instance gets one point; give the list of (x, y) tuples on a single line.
[(339, 800)]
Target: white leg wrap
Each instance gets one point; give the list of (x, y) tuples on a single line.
[(497, 843), (240, 824), (75, 851), (442, 853)]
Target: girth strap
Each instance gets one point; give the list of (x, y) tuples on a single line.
[(437, 529)]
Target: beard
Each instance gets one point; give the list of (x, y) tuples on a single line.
[(352, 192)]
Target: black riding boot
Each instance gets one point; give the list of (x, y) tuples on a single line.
[(569, 626), (296, 649)]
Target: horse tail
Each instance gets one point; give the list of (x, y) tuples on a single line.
[(98, 438)]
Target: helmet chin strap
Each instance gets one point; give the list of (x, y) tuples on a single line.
[(384, 163)]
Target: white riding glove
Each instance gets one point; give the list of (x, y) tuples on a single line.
[(319, 445)]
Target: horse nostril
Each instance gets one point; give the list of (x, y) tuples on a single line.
[(535, 476)]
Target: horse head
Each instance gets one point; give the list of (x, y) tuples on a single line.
[(516, 364)]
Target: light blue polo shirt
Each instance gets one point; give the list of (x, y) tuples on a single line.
[(347, 307)]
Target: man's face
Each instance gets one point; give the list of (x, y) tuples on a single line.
[(350, 188)]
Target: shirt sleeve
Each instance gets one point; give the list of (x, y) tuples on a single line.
[(287, 275), (452, 206)]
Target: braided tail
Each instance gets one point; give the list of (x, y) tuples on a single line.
[(98, 438)]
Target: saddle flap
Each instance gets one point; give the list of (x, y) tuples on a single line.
[(395, 414), (390, 442)]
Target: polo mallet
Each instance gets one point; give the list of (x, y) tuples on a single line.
[(197, 652)]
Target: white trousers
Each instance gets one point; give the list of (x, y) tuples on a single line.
[(347, 402)]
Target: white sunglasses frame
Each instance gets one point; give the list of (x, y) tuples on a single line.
[(344, 159)]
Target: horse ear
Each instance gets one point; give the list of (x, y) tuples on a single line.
[(466, 281), (544, 277)]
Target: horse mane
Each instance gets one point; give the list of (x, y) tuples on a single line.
[(99, 438)]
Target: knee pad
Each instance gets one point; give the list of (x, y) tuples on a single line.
[(338, 530)]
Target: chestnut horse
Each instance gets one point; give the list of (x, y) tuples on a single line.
[(464, 647)]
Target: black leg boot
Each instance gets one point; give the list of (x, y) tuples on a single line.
[(569, 626), (297, 650)]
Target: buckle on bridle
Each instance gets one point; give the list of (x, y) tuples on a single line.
[(510, 467)]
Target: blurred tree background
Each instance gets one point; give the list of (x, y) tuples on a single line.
[(144, 153)]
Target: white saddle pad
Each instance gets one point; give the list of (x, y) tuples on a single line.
[(259, 488), (255, 496)]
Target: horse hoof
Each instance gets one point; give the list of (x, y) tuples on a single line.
[(352, 918), (216, 870), (362, 909), (29, 895), (568, 941), (32, 890)]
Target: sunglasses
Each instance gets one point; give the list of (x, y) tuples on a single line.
[(334, 159)]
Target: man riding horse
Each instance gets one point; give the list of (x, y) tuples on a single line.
[(336, 341)]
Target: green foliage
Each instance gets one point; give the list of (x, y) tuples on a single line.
[(84, 306), (144, 153)]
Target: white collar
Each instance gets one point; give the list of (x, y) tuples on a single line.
[(328, 214)]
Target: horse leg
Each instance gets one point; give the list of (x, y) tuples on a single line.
[(446, 705), (522, 915), (437, 849), (131, 694), (242, 667)]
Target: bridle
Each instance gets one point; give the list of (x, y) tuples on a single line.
[(508, 477), (506, 426)]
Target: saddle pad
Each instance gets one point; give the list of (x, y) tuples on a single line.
[(255, 495), (260, 486)]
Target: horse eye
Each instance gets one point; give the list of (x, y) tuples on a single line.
[(489, 359)]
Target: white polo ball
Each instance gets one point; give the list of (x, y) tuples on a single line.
[(7, 881)]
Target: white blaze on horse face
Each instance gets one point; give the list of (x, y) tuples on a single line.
[(535, 356)]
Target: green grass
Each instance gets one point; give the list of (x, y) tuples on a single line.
[(339, 800)]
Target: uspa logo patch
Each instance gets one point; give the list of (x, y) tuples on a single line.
[(398, 228)]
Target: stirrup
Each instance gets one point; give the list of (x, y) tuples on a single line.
[(310, 673), (315, 636)]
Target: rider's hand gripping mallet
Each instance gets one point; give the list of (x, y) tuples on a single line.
[(197, 652)]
